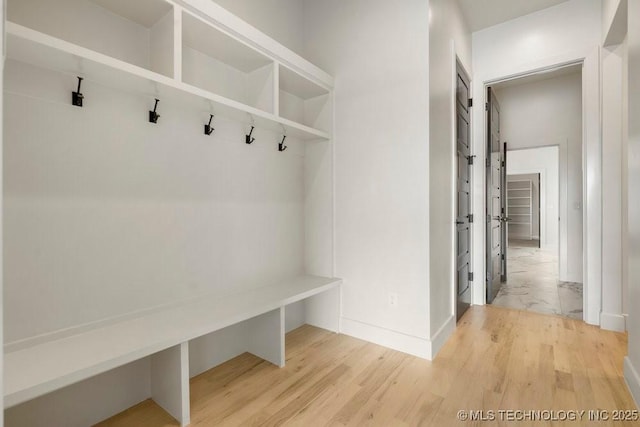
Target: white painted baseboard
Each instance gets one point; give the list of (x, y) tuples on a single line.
[(613, 322), (633, 380), (442, 335), (416, 346)]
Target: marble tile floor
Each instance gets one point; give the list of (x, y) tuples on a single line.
[(532, 284)]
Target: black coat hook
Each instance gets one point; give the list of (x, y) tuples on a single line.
[(248, 138), (153, 115), (77, 97), (208, 130), (281, 146)]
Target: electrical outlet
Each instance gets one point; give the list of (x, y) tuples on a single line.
[(393, 300)]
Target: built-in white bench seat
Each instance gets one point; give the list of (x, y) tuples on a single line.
[(164, 335)]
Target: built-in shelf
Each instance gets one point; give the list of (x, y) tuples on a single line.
[(39, 49), (91, 352), (139, 32), (194, 55), (163, 50), (218, 63), (519, 201), (301, 100)]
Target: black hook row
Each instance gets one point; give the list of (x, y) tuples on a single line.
[(77, 99)]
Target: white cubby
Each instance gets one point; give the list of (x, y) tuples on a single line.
[(303, 101), (194, 56), (137, 32), (218, 63)]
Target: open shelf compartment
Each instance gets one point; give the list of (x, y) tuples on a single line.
[(138, 32), (303, 101), (218, 63), (45, 51)]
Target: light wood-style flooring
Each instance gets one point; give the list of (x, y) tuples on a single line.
[(497, 359)]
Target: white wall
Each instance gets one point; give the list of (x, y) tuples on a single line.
[(283, 20), (632, 361), (107, 214), (546, 162), (379, 55), (448, 37), (568, 32), (544, 113)]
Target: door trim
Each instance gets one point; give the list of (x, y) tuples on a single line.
[(592, 182)]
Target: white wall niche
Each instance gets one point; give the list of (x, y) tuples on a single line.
[(218, 63), (303, 101), (133, 383), (140, 33)]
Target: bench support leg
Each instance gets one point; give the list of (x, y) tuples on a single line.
[(323, 310), (266, 336), (170, 381)]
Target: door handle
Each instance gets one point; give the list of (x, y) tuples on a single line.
[(459, 222), (505, 219)]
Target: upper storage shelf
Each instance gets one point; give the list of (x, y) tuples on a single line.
[(216, 62), (175, 50), (303, 101), (137, 32)]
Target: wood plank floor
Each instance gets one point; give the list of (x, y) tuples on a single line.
[(497, 359)]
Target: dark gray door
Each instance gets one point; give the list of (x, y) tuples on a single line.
[(463, 190), (496, 201)]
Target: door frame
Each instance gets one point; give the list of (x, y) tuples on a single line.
[(592, 175)]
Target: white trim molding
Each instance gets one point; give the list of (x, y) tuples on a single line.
[(613, 322), (416, 346), (442, 335), (633, 379)]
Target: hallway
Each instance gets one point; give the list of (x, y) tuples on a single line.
[(533, 285)]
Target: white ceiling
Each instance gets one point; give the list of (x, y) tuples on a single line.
[(481, 14)]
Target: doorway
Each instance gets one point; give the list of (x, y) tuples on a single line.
[(542, 194)]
